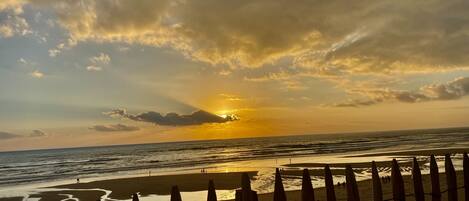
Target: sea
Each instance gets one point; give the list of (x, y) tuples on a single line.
[(93, 163)]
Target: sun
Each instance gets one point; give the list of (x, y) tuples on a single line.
[(224, 113)]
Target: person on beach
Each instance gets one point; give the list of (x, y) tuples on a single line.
[(78, 180)]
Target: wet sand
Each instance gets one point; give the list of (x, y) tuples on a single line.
[(379, 164), (161, 185), (60, 195), (427, 152), (12, 199), (295, 169)]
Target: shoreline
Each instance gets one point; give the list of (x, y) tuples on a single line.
[(122, 188), (420, 152), (123, 192)]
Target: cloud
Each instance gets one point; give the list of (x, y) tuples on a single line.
[(101, 59), (15, 5), (54, 52), (93, 68), (37, 133), (11, 21), (173, 119), (451, 90), (37, 74), (114, 128), (231, 97), (23, 61), (98, 61), (33, 134), (369, 36), (5, 135)]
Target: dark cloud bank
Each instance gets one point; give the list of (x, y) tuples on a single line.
[(173, 119)]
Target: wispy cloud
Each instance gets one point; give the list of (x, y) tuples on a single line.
[(114, 128), (33, 134), (38, 133), (23, 61), (93, 68), (102, 58), (5, 135), (98, 61), (54, 52), (231, 97), (451, 90), (37, 74)]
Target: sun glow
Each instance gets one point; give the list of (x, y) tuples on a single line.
[(224, 113)]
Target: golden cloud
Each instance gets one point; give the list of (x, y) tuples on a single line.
[(348, 36)]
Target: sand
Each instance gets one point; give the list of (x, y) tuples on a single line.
[(366, 192), (59, 195), (161, 185), (12, 199), (123, 188)]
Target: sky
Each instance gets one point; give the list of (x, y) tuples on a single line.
[(89, 73)]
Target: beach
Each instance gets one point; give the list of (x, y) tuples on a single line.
[(194, 185), (123, 188), (115, 173)]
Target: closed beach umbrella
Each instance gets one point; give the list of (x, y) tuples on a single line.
[(307, 191), (135, 197), (377, 189), (279, 191), (175, 194), (352, 187), (212, 196), (417, 178), (329, 184), (466, 176), (435, 177), (398, 192), (451, 179), (245, 187)]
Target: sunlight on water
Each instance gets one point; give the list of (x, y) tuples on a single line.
[(24, 173)]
